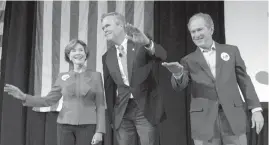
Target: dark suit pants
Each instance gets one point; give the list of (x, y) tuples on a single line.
[(75, 134), (135, 126), (223, 134)]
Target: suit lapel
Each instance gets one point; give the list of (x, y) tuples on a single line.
[(219, 61), (200, 60), (130, 58), (113, 60)]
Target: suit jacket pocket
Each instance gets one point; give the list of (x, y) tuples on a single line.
[(197, 118), (238, 103), (198, 111), (197, 114), (198, 104)]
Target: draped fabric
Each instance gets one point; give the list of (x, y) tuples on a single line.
[(2, 15), (60, 21), (16, 69)]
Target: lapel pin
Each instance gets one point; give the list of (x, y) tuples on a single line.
[(65, 77), (225, 56), (133, 49)]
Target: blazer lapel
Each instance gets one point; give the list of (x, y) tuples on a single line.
[(113, 60), (219, 61), (202, 62), (86, 85), (130, 58)]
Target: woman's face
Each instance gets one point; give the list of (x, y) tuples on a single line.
[(77, 55)]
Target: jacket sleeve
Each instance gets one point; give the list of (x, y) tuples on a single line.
[(52, 98), (244, 82), (183, 81), (100, 104), (110, 90), (159, 52)]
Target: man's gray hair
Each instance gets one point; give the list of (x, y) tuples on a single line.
[(206, 17), (120, 19)]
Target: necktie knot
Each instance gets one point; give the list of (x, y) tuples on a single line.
[(121, 49), (123, 60), (206, 50)]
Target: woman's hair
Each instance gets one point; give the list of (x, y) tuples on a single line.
[(71, 45)]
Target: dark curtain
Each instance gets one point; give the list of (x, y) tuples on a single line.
[(170, 28), (20, 125), (16, 69)]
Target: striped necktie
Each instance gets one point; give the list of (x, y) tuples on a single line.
[(123, 58)]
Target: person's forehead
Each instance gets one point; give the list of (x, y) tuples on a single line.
[(77, 46), (199, 22), (109, 18)]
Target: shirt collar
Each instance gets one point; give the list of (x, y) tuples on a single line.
[(124, 43), (84, 69), (213, 47)]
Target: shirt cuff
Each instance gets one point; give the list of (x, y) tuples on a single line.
[(256, 109), (151, 48), (24, 101), (177, 75)]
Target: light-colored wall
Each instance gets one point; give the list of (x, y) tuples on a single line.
[(246, 25)]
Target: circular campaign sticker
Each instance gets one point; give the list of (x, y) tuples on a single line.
[(65, 77), (225, 56)]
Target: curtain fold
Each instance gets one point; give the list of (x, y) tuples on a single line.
[(17, 55)]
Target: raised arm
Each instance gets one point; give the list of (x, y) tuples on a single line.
[(180, 74), (36, 101), (52, 98), (157, 51), (181, 80)]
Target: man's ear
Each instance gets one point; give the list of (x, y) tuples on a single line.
[(212, 30)]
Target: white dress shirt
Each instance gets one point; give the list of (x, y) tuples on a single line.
[(210, 57), (124, 76)]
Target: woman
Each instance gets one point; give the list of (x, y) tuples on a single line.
[(82, 117)]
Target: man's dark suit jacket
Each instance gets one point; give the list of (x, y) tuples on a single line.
[(206, 90), (142, 79), (83, 99)]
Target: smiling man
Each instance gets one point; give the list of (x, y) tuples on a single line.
[(135, 106), (214, 71)]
